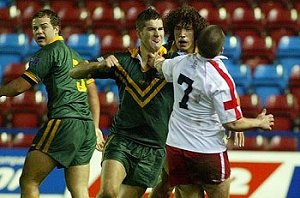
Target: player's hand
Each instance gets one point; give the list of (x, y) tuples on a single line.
[(239, 139), (111, 61), (266, 121), (100, 140)]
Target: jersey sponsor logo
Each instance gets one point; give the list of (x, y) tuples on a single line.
[(34, 61)]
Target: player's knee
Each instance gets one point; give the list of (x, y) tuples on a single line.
[(26, 182)]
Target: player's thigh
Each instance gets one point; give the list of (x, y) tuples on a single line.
[(77, 177), (220, 190), (189, 191), (131, 191), (36, 172), (112, 175)]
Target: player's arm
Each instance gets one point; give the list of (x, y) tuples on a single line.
[(262, 121), (86, 69), (239, 137), (94, 102), (95, 109), (15, 87)]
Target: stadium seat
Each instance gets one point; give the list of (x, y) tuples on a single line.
[(112, 40), (13, 71), (285, 109), (257, 50), (131, 9), (246, 18), (275, 21), (22, 119), (294, 82), (5, 3), (58, 5), (4, 29), (68, 30), (251, 105), (279, 33), (278, 143), (103, 14), (5, 140), (253, 143), (10, 17), (134, 40), (216, 16), (22, 140), (87, 45), (76, 17), (33, 48), (269, 79), (29, 101), (165, 6), (242, 77), (198, 5), (288, 47), (267, 5), (232, 5), (5, 105), (14, 46), (27, 10), (243, 33), (2, 121), (108, 108), (232, 48)]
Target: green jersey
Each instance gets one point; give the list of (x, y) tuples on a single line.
[(146, 101), (67, 97)]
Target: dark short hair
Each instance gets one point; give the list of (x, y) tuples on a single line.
[(54, 18), (146, 15), (186, 15), (210, 41)]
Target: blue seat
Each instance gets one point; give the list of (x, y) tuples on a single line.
[(104, 85), (288, 63), (5, 3), (14, 43), (6, 59), (1, 73), (87, 45), (242, 77), (13, 47), (33, 48), (232, 48), (269, 79), (288, 47)]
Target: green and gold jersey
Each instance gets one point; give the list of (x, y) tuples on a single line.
[(67, 97), (146, 101)]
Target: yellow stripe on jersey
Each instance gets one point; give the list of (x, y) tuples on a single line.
[(141, 93), (130, 81)]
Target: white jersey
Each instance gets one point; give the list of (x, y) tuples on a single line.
[(204, 99)]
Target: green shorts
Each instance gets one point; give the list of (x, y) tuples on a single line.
[(70, 142), (143, 164)]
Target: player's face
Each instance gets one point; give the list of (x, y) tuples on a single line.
[(152, 35), (43, 31), (184, 38)]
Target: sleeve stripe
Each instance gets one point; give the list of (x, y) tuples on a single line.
[(232, 104), (31, 78)]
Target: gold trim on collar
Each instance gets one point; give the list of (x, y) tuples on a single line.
[(57, 38)]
